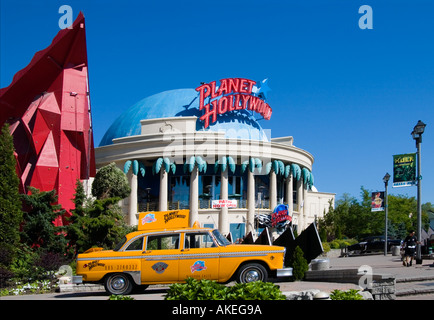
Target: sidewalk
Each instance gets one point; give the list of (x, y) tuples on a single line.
[(387, 264), (417, 279)]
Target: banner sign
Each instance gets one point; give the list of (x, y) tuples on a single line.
[(404, 170), (224, 204), (232, 94), (377, 201), (163, 219), (280, 214)]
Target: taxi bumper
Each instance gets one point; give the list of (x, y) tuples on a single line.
[(77, 279), (284, 272)]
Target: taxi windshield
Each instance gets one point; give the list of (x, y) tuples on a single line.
[(120, 244), (222, 241)]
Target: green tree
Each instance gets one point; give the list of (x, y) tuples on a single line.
[(350, 218), (110, 181), (10, 202), (354, 219), (95, 222), (74, 229), (298, 263), (38, 229)]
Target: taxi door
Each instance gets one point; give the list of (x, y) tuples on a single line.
[(160, 258), (200, 256)]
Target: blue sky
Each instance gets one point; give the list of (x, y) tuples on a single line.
[(351, 97)]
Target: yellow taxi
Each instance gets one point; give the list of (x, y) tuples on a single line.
[(165, 250)]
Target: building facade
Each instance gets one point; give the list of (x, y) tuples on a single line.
[(188, 149)]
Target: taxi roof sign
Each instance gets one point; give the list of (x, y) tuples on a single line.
[(163, 219)]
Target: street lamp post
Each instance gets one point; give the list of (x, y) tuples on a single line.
[(418, 130), (386, 207)]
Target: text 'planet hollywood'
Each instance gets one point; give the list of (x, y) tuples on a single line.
[(232, 94)]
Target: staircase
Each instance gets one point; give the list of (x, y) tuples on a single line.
[(416, 285)]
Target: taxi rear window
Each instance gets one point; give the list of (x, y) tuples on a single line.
[(163, 242)]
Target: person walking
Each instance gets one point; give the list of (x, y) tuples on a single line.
[(410, 243)]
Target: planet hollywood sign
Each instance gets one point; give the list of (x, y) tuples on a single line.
[(232, 94)]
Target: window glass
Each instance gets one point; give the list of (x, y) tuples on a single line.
[(197, 240), (120, 244), (136, 245), (163, 242), (220, 238)]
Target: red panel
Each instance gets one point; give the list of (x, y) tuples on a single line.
[(28, 117), (22, 142), (40, 132), (48, 156), (45, 178), (50, 104)]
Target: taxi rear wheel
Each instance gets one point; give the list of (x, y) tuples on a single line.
[(252, 272), (118, 284)]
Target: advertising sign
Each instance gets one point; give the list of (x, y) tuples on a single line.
[(224, 204), (280, 214), (163, 219), (404, 170), (377, 201), (231, 95)]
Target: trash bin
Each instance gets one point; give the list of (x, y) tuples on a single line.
[(320, 264), (396, 251)]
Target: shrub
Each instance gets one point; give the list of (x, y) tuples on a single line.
[(257, 290), (299, 264), (6, 255), (24, 265), (5, 277), (340, 244), (120, 297), (335, 244), (195, 289), (351, 294), (326, 247), (35, 287), (50, 261)]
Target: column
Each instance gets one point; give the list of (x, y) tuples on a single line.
[(300, 206), (224, 215), (273, 190), (250, 202), (194, 196), (132, 205), (162, 197), (289, 194), (305, 206)]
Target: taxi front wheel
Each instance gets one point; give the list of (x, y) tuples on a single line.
[(252, 272), (119, 284)]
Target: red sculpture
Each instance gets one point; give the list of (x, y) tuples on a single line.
[(48, 108)]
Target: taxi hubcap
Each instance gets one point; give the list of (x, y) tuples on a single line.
[(118, 283), (252, 275)]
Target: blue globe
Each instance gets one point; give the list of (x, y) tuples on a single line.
[(239, 124)]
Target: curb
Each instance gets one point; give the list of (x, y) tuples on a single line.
[(414, 279), (412, 292), (69, 287)]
